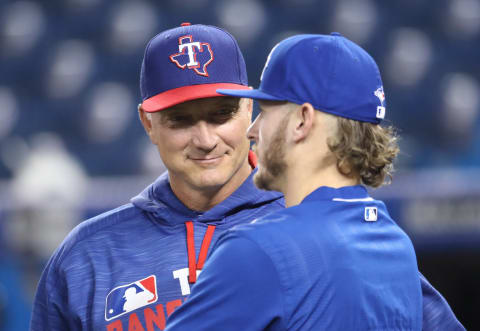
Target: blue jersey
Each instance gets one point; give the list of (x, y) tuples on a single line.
[(337, 261), (127, 269)]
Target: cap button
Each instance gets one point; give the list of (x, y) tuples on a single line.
[(186, 24), (338, 34)]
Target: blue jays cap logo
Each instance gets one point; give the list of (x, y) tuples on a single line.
[(123, 299), (381, 96), (193, 55)]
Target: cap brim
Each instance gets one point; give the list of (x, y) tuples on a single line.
[(187, 93), (251, 94)]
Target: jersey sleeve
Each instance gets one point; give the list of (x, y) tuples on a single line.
[(50, 302), (238, 290), (437, 314)]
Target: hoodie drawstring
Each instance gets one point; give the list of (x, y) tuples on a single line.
[(193, 266), (252, 159)]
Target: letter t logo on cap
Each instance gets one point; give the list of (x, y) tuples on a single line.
[(199, 55)]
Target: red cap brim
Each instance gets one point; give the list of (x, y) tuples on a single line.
[(186, 93)]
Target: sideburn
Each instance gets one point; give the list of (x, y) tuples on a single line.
[(274, 159)]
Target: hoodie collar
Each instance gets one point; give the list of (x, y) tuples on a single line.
[(159, 200)]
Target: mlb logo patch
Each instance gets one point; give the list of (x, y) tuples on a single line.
[(380, 112), (371, 214), (126, 298)]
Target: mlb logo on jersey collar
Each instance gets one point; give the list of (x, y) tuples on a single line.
[(371, 214)]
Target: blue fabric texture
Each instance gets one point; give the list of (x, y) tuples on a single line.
[(142, 245), (317, 266), (139, 247)]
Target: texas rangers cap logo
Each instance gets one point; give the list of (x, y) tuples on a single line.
[(192, 54), (125, 298)]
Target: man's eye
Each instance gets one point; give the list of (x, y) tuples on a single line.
[(179, 121), (225, 111), (221, 116)]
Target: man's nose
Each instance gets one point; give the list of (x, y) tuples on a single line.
[(204, 136)]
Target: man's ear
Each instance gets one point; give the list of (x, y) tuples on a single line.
[(246, 103), (250, 107), (304, 118), (145, 119), (250, 104)]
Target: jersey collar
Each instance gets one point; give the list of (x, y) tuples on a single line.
[(342, 193)]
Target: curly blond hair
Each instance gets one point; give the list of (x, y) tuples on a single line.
[(365, 150)]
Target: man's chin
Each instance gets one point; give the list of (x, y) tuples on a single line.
[(210, 178), (207, 184)]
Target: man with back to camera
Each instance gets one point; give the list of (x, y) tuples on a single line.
[(129, 268), (334, 259)]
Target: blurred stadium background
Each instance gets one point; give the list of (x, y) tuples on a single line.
[(71, 145)]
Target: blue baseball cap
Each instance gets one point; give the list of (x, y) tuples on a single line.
[(190, 62), (330, 72)]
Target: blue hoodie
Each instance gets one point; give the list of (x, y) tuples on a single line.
[(128, 269)]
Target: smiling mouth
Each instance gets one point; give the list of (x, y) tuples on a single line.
[(207, 160)]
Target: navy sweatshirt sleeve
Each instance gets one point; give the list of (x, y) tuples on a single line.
[(241, 279), (50, 300)]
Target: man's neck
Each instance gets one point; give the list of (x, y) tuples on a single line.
[(203, 199), (298, 184)]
